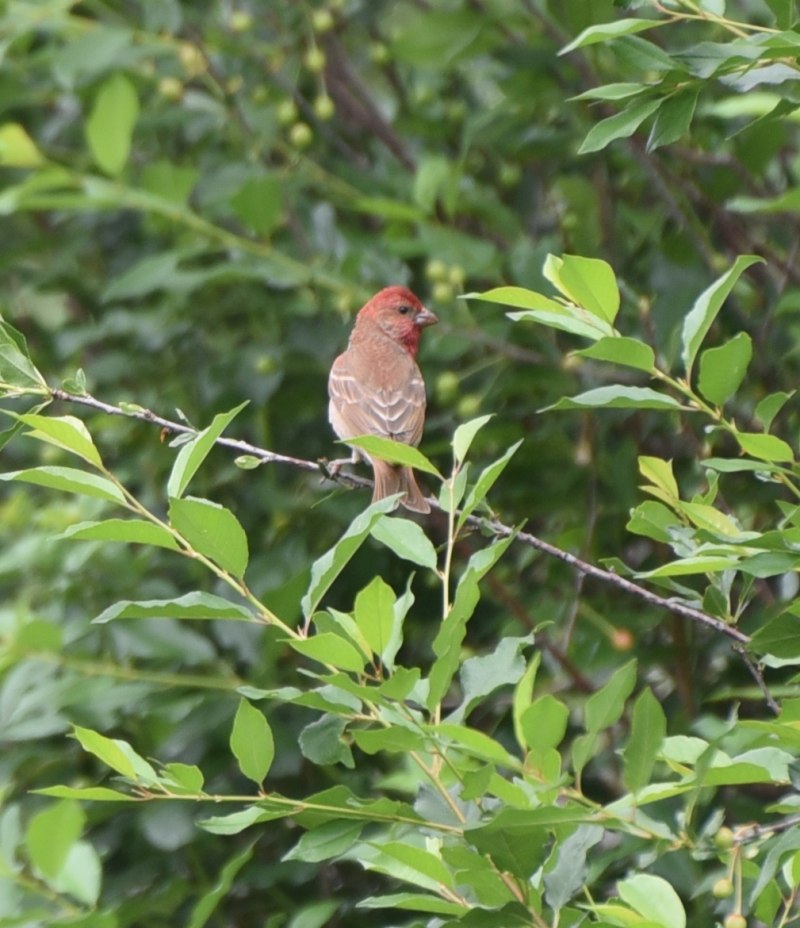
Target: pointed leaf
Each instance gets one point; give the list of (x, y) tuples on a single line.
[(211, 530), (629, 352), (617, 397), (374, 614), (487, 479), (648, 729), (252, 743), (395, 452), (722, 369), (654, 899), (673, 119), (764, 447), (587, 282), (707, 307), (464, 435), (329, 648), (109, 128), (65, 432), (620, 126), (602, 32), (328, 567), (127, 531), (51, 834), (605, 707), (188, 606), (70, 480), (194, 452), (406, 539)]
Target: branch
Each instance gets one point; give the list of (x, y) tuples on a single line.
[(495, 527)]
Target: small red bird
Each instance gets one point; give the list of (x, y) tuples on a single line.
[(376, 388)]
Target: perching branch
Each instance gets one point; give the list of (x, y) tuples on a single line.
[(496, 528)]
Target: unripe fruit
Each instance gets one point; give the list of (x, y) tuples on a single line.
[(436, 269), (510, 175), (442, 292), (447, 384), (378, 53), (735, 920), (469, 406), (286, 112), (300, 135), (322, 20), (192, 59), (170, 88), (724, 838), (324, 107), (722, 889), (315, 60), (457, 275), (240, 21)]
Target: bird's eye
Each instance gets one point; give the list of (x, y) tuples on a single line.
[(404, 310)]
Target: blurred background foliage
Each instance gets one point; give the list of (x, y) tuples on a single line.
[(197, 198)]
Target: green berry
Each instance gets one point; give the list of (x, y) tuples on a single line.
[(170, 88), (300, 135), (315, 60), (442, 292), (378, 53), (724, 838), (469, 406), (722, 889), (436, 270), (322, 20), (287, 112), (735, 920), (240, 21), (324, 107), (447, 384)]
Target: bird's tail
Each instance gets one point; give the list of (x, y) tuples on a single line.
[(390, 480)]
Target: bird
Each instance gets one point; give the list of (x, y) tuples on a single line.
[(376, 388)]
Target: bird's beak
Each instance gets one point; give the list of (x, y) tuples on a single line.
[(426, 317)]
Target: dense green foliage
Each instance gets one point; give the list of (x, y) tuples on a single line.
[(233, 693)]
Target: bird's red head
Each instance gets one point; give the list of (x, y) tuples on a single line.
[(399, 314)]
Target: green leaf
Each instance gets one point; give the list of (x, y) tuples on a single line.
[(374, 614), (484, 674), (629, 352), (654, 899), (393, 740), (770, 406), (619, 90), (605, 707), (659, 473), (648, 730), (86, 794), (259, 203), (620, 126), (322, 742), (673, 119), (523, 697), (722, 369), (616, 396), (779, 637), (206, 905), (211, 530), (587, 282), (564, 879), (395, 452), (547, 311), (116, 754), (81, 875), (252, 743), (465, 434), (327, 841), (186, 779), (414, 902), (328, 567), (188, 606), (476, 744), (447, 644), (544, 723), (603, 32), (64, 432), (17, 148), (147, 276), (687, 566), (406, 539), (707, 306), (51, 834), (109, 128), (127, 531), (329, 648), (16, 366), (487, 479), (194, 452), (417, 858), (70, 480), (764, 447)]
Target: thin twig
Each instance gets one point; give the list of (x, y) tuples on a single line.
[(751, 832), (493, 526)]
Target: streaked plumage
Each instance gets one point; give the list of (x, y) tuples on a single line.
[(376, 387)]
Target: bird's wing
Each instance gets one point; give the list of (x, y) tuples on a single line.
[(375, 404)]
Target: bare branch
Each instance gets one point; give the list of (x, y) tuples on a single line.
[(496, 528)]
